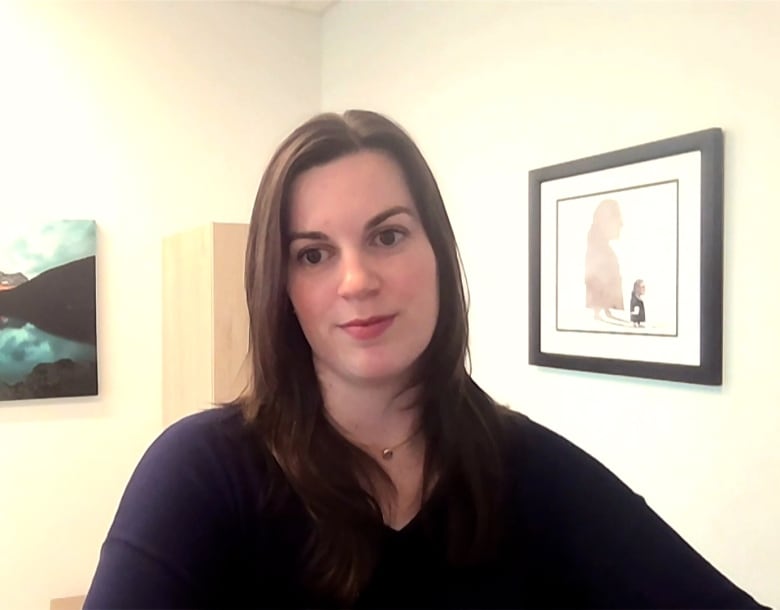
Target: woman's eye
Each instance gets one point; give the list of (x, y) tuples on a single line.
[(312, 256), (390, 237)]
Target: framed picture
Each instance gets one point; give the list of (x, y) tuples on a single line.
[(626, 261), (48, 331)]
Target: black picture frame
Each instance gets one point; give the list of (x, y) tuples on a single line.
[(662, 203)]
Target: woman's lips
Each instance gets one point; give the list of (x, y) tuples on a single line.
[(368, 329)]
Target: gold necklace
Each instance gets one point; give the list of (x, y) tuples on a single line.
[(389, 452)]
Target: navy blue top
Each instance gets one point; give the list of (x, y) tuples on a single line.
[(191, 532)]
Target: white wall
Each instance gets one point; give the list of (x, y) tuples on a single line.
[(492, 90), (149, 118)]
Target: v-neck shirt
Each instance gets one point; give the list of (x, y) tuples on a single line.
[(192, 531)]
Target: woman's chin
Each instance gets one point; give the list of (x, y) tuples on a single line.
[(364, 370), (379, 373)]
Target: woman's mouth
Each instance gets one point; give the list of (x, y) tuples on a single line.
[(368, 328)]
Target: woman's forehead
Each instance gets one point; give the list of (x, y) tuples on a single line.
[(349, 190)]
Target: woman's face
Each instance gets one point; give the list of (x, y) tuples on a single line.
[(362, 274), (609, 219)]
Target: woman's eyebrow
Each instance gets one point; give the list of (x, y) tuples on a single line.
[(382, 216), (375, 221), (315, 235)]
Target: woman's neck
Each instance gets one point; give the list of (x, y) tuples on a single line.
[(374, 416), (382, 418)]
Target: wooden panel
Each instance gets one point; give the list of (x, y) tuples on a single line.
[(231, 320), (67, 603), (187, 323)]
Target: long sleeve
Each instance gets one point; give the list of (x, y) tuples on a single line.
[(618, 553), (172, 527)]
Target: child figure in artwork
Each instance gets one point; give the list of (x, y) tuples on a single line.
[(637, 304)]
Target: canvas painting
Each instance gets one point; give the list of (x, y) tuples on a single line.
[(48, 334)]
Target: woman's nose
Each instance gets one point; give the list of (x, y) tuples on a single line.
[(358, 278)]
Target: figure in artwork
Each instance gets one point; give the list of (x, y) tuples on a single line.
[(638, 304), (603, 282)]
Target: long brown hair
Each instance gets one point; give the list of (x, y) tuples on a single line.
[(461, 423)]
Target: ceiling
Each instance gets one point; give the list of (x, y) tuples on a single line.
[(318, 7)]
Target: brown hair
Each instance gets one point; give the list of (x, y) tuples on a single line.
[(461, 423)]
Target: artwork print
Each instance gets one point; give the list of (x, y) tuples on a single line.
[(617, 261), (47, 310), (626, 261)]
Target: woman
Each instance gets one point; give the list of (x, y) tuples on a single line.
[(364, 467), (603, 282)]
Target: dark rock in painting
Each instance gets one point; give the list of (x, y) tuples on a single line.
[(62, 378), (60, 301)]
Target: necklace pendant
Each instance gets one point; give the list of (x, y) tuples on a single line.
[(387, 454)]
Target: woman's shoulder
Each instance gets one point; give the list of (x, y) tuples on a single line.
[(218, 430), (190, 505), (566, 502), (531, 437), (543, 461), (207, 421), (212, 448), (204, 465), (536, 440)]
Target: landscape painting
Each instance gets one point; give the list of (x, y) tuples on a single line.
[(48, 334)]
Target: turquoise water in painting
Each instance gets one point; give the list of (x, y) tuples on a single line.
[(23, 345)]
